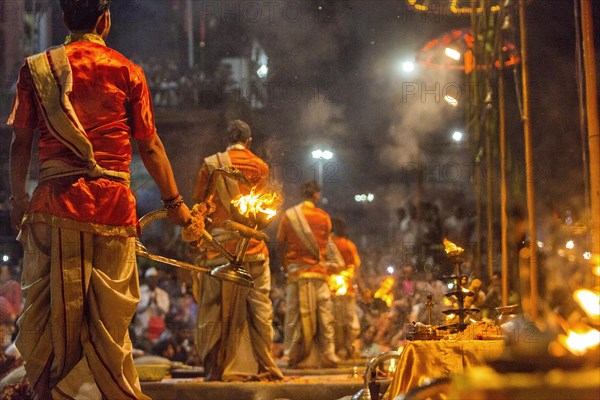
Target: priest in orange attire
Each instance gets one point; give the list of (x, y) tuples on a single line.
[(303, 236), (78, 230), (234, 331), (347, 326)]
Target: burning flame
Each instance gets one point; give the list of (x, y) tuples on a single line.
[(339, 283), (579, 343), (384, 291), (590, 302), (451, 248), (254, 204)]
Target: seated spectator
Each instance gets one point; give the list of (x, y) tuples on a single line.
[(10, 296), (154, 305)]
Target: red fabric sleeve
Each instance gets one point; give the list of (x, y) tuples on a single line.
[(142, 114), (24, 110)]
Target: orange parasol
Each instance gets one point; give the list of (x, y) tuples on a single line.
[(454, 51)]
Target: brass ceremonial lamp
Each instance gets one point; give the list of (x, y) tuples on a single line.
[(251, 214), (459, 292), (245, 226)]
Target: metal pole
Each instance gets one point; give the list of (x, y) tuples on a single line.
[(503, 196), (591, 94), (529, 175), (489, 184), (190, 32), (476, 138)]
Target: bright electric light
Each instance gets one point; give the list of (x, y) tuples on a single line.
[(5, 258), (262, 71), (570, 245), (390, 270), (408, 66), (453, 54), (457, 136), (540, 244), (322, 154), (451, 100), (361, 198), (587, 255)]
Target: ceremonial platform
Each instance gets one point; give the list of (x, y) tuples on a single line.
[(307, 384)]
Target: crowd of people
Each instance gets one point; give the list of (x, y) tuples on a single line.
[(173, 86)]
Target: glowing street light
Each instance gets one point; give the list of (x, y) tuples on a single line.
[(263, 71), (322, 154), (457, 136), (408, 66), (364, 198)]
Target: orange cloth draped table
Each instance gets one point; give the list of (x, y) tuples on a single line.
[(422, 360), (484, 383)]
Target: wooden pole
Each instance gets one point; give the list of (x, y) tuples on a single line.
[(476, 139), (532, 307), (503, 196), (589, 62)]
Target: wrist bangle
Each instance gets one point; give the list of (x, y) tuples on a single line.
[(172, 199), (174, 206), (168, 203)]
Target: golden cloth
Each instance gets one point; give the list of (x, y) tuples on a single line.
[(346, 324), (485, 383), (423, 360), (235, 326), (82, 291), (309, 329)]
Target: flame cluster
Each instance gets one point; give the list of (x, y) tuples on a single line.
[(455, 7), (257, 205), (385, 291), (340, 283), (451, 248), (581, 338)]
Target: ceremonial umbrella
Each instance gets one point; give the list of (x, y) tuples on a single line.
[(454, 51)]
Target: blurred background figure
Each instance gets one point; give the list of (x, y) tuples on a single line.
[(154, 305), (347, 326)]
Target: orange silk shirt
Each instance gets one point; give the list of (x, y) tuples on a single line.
[(111, 98), (257, 173), (296, 252), (347, 249)]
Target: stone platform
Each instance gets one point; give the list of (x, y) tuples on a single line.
[(306, 384)]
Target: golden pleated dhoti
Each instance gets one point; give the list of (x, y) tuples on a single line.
[(81, 293), (309, 327), (234, 331)]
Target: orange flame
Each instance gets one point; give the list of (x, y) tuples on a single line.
[(254, 204), (590, 302), (581, 340), (385, 291), (451, 248), (340, 283)]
